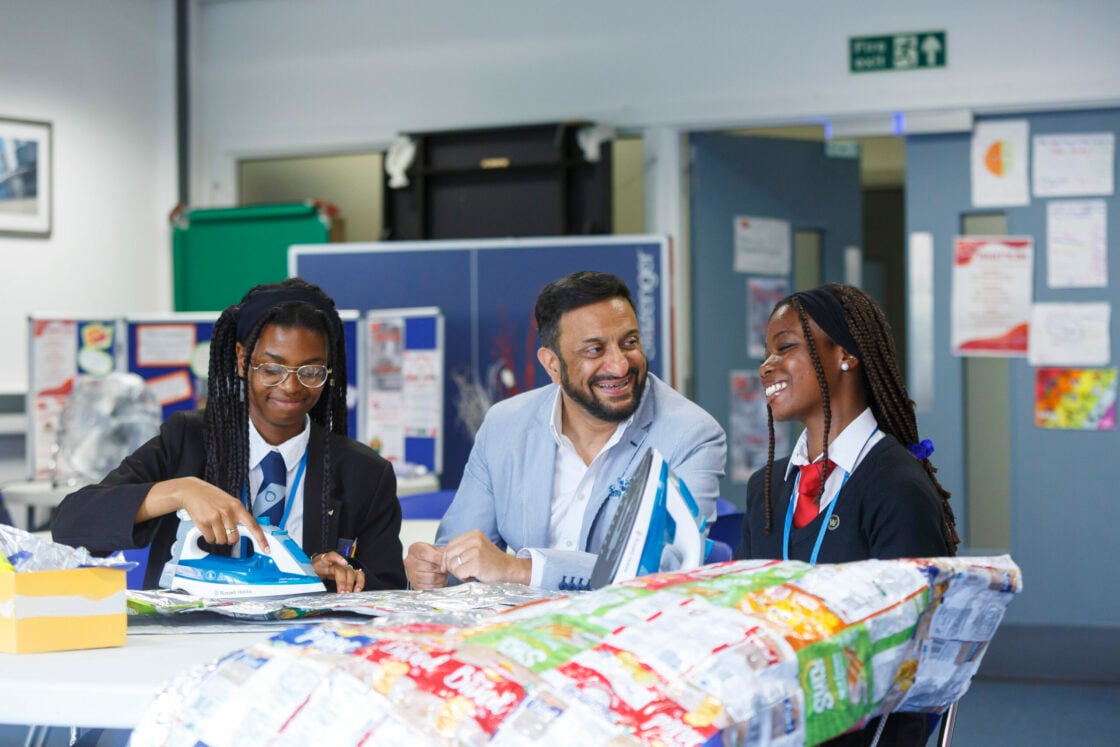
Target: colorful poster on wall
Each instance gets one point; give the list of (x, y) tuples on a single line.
[(991, 295), (1073, 164), (763, 245), (1077, 244), (762, 294), (749, 439), (999, 163), (1082, 399)]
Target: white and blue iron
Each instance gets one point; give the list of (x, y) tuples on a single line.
[(284, 570), (657, 527)]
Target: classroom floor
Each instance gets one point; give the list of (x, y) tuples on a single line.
[(992, 713)]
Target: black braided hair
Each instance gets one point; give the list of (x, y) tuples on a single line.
[(227, 410), (818, 368), (887, 395)]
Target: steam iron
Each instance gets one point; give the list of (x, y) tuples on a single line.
[(284, 571), (657, 527)]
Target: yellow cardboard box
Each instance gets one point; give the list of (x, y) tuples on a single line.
[(62, 610)]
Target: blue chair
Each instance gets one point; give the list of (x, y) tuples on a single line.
[(728, 526), (134, 579), (426, 505), (719, 552)]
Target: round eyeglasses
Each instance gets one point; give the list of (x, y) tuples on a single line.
[(274, 374)]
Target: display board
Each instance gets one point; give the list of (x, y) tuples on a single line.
[(402, 418), (220, 253), (486, 290), (60, 348), (171, 352)]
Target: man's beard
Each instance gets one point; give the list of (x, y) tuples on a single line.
[(591, 403)]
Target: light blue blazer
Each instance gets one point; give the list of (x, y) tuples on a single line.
[(507, 484)]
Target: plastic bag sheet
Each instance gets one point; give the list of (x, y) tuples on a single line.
[(753, 652)]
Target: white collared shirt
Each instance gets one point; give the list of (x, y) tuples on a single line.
[(846, 451), (572, 482), (292, 450)]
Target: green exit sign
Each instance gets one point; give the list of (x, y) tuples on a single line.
[(908, 51)]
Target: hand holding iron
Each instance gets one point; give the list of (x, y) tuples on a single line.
[(215, 512)]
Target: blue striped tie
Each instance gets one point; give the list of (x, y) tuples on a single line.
[(269, 503)]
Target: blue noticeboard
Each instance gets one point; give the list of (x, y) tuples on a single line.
[(404, 385), (171, 352), (486, 290)]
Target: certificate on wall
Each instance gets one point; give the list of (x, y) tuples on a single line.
[(991, 295)]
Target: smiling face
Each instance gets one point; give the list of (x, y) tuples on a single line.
[(788, 376), (278, 412), (600, 364)]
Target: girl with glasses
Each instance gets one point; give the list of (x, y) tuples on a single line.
[(271, 443)]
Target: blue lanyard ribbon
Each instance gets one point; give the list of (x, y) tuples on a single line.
[(827, 516), (290, 495)]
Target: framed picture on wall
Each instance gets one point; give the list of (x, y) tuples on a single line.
[(25, 178)]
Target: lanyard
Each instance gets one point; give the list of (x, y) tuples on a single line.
[(291, 493), (828, 513)]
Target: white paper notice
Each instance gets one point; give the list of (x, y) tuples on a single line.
[(1071, 165), (1070, 334), (763, 245), (159, 345), (992, 286), (384, 424), (423, 401), (999, 163), (1077, 244)]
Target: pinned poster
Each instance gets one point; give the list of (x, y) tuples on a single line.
[(1080, 399), (1077, 244), (749, 440), (763, 245), (762, 294), (1074, 164), (1070, 334), (991, 295), (999, 163)]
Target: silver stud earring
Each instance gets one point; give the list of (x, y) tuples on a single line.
[(844, 366)]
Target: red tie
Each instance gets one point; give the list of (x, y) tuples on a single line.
[(807, 487)]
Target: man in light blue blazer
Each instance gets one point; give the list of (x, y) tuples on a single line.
[(549, 466)]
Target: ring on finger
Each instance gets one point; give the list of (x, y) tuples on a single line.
[(230, 531), (458, 560)]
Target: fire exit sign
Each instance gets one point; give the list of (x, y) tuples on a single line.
[(906, 51)]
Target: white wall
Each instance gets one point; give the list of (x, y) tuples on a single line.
[(103, 74), (290, 76)]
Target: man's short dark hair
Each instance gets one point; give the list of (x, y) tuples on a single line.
[(574, 292)]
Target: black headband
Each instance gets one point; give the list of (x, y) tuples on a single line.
[(257, 306), (824, 308)]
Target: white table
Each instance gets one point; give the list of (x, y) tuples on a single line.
[(109, 687), (33, 495)]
